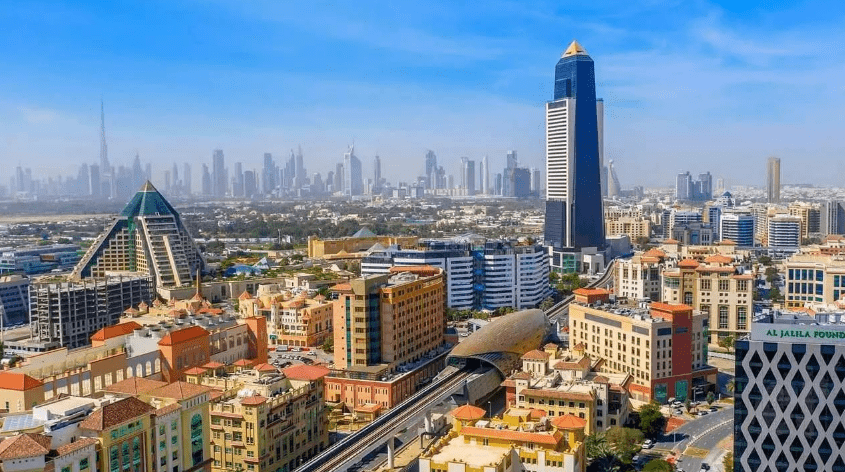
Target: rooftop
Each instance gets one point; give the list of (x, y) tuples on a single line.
[(115, 413)]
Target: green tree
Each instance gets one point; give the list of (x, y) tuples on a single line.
[(601, 456), (727, 342), (774, 294), (547, 303), (710, 398), (652, 421), (688, 404), (728, 462), (731, 386), (328, 345), (641, 241), (771, 274), (765, 260), (624, 442), (658, 465)]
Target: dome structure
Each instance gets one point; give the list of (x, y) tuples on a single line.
[(502, 342)]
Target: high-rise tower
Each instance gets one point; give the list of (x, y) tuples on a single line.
[(574, 217), (219, 181), (773, 180)]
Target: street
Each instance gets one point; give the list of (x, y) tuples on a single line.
[(703, 434)]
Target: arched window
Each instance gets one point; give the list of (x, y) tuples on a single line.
[(129, 372), (158, 365), (196, 439), (149, 368)]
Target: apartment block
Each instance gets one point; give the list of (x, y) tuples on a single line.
[(717, 288), (14, 300), (664, 348), (520, 440), (299, 320), (638, 277)]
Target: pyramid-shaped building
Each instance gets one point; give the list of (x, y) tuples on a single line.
[(148, 237)]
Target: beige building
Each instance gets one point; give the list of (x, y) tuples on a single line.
[(810, 216), (628, 225), (520, 440), (267, 419), (564, 383), (354, 247), (292, 320), (638, 277), (814, 278), (663, 348), (19, 392), (717, 288)]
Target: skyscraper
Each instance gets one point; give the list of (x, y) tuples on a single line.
[(484, 172), (207, 188), (268, 175), (683, 186), (218, 174), (186, 178), (377, 172), (574, 216), (353, 183), (468, 175), (603, 176), (773, 180), (301, 175), (238, 181), (431, 169), (511, 160), (614, 189)]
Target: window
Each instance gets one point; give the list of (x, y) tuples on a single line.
[(723, 317), (83, 464), (705, 284), (724, 285), (741, 285), (741, 317)]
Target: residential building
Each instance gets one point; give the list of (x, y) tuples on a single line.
[(773, 180), (634, 227), (563, 383), (572, 154), (67, 313), (664, 348), (268, 420), (39, 259), (789, 398), (638, 277), (694, 234), (219, 178), (353, 183), (718, 289), (520, 440), (19, 392), (14, 300), (181, 433), (833, 218), (480, 273), (299, 321), (687, 189), (124, 431), (147, 237), (814, 278)]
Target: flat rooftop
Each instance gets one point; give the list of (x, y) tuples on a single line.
[(472, 454)]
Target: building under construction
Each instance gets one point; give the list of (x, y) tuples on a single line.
[(67, 313)]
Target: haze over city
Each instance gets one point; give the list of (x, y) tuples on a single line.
[(699, 87)]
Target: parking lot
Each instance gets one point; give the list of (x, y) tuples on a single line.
[(295, 356)]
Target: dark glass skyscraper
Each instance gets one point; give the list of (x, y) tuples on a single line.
[(574, 214)]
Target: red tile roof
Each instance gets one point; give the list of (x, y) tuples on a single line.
[(196, 371), (536, 355), (245, 296), (688, 263), (178, 390), (24, 445), (168, 409), (591, 291), (134, 386), (242, 363), (718, 259), (264, 367), (182, 335), (18, 381), (121, 329), (213, 365), (115, 413), (75, 446), (253, 400), (670, 308), (306, 372), (568, 422), (468, 413)]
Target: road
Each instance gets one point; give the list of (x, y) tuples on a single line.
[(701, 433)]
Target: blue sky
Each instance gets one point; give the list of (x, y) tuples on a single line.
[(687, 85)]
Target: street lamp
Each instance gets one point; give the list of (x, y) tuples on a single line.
[(490, 409)]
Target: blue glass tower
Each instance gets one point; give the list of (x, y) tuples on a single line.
[(574, 214)]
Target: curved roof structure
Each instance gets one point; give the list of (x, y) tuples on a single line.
[(502, 342), (468, 413)]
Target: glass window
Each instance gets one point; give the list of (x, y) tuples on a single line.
[(723, 317)]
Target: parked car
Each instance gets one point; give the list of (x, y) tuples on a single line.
[(648, 444), (702, 412), (678, 412)]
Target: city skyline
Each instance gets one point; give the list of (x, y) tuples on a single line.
[(215, 93)]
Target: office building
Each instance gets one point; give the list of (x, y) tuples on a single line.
[(207, 187), (789, 412), (614, 188), (219, 179), (66, 313), (573, 185), (814, 278), (832, 218), (39, 259), (687, 189), (737, 227), (519, 440), (694, 234), (664, 348), (784, 235), (298, 321), (484, 173), (480, 274), (250, 187), (147, 237), (431, 170), (186, 179), (377, 182), (773, 180), (14, 300)]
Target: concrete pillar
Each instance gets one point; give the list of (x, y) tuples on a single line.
[(429, 425), (390, 451)]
